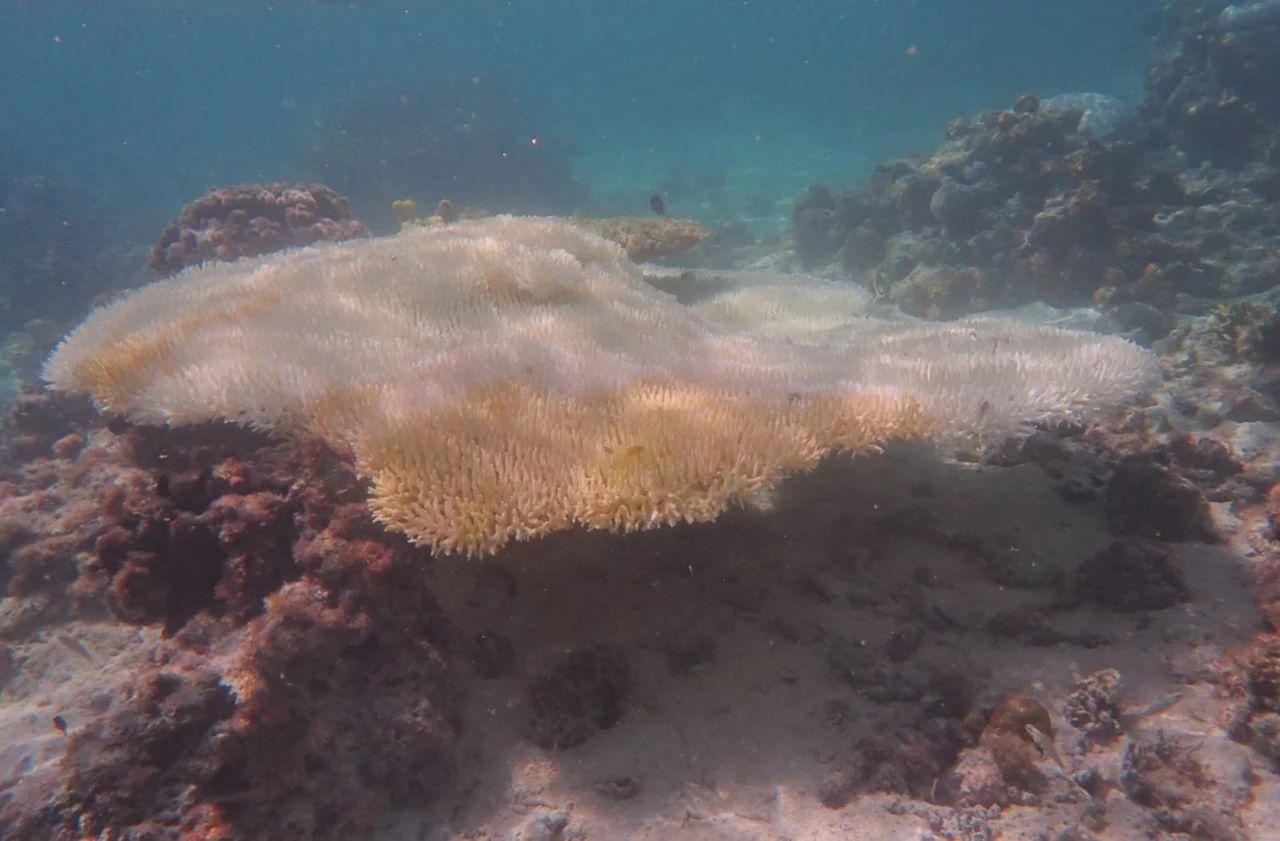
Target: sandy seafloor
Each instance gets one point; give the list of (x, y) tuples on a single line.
[(738, 747)]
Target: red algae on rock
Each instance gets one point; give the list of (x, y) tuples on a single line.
[(300, 687)]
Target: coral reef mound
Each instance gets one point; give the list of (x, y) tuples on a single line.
[(509, 377), (250, 220)]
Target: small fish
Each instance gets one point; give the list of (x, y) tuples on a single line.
[(75, 647), (60, 723), (658, 205), (1044, 742)]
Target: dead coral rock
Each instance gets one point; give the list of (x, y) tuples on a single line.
[(588, 692), (978, 780), (1147, 499), (836, 788), (938, 293), (646, 238), (1091, 706), (377, 626), (1250, 689), (1129, 576), (1163, 774), (548, 826), (1077, 220), (41, 566), (1060, 202), (302, 740), (1267, 588), (619, 787), (957, 205), (250, 220), (14, 534), (1003, 768), (236, 547), (1205, 462), (52, 509), (1025, 198), (146, 585), (124, 762), (911, 762), (1265, 732), (819, 225), (863, 248)]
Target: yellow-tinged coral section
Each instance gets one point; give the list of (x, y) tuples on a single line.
[(642, 237), (648, 237), (510, 462)]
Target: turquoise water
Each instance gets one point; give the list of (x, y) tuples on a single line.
[(148, 104)]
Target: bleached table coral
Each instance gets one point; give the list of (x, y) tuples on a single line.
[(506, 378)]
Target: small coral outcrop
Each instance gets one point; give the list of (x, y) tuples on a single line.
[(648, 238), (249, 220)]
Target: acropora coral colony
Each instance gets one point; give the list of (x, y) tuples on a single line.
[(503, 378)]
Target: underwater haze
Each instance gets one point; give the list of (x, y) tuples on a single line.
[(149, 104), (713, 420)]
